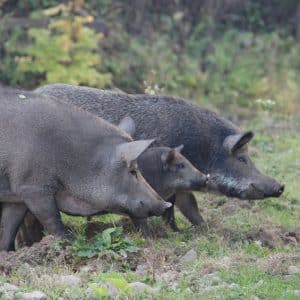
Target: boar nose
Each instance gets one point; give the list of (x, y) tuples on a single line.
[(207, 179), (280, 189), (275, 191), (160, 209), (203, 180), (199, 182), (168, 204)]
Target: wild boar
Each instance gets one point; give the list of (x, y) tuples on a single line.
[(56, 157)]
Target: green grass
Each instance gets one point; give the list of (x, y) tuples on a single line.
[(252, 281)]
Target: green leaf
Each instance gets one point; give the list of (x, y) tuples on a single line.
[(100, 291), (109, 240)]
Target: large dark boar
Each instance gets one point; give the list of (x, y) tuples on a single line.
[(56, 157), (213, 144)]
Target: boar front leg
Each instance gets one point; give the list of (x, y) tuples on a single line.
[(12, 215), (142, 225), (43, 206), (187, 204), (169, 215)]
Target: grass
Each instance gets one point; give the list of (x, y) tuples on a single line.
[(248, 248), (252, 281)]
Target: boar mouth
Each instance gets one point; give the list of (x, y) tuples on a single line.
[(200, 184), (212, 185), (273, 193), (261, 193), (230, 188), (220, 184), (254, 194)]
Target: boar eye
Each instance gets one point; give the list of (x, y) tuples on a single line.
[(179, 167), (242, 159), (133, 172)]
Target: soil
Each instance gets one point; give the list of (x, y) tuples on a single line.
[(48, 251)]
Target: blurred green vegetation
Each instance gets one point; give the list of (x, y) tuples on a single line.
[(237, 56)]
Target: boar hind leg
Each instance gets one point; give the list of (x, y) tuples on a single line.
[(169, 215), (187, 204), (43, 206), (12, 215), (141, 225), (30, 231)]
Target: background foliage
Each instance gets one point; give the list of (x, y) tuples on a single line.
[(226, 54)]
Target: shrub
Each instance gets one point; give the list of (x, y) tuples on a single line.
[(67, 51)]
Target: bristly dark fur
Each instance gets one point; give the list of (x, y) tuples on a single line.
[(172, 121)]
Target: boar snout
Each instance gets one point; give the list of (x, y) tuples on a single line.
[(160, 208), (279, 191), (207, 178), (167, 205), (272, 190), (200, 181)]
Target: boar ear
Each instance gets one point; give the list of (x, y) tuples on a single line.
[(168, 157), (132, 150), (236, 141), (179, 148), (127, 124)]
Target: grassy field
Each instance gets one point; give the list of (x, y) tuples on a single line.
[(247, 252)]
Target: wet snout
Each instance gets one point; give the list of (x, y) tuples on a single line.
[(268, 188), (199, 181), (278, 190), (274, 190)]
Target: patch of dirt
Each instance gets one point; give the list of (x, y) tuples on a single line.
[(275, 237), (156, 262), (48, 250), (51, 251), (278, 263), (267, 234), (231, 206), (274, 264)]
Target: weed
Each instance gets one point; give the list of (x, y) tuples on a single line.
[(109, 240)]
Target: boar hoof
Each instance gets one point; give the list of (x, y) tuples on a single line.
[(142, 226), (169, 219), (202, 227), (174, 226)]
